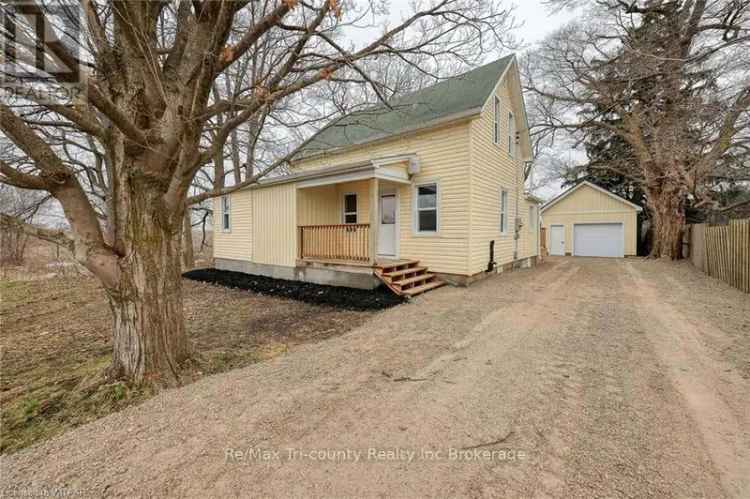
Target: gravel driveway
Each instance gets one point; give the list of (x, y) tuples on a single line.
[(580, 378)]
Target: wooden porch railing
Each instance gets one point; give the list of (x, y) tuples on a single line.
[(350, 242)]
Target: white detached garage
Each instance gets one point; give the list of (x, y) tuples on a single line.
[(587, 220)]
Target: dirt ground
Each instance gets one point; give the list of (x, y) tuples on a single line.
[(56, 336), (580, 378)]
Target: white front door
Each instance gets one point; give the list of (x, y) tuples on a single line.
[(557, 240), (387, 229)]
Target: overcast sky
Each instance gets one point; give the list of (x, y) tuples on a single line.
[(534, 21), (537, 22), (533, 17)]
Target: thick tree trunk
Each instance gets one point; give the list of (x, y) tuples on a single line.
[(150, 342), (668, 219), (188, 253)]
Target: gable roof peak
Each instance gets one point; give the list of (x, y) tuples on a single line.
[(458, 95), (582, 183)]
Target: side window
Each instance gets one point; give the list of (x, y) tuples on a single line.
[(496, 121), (511, 134), (226, 224), (503, 211), (350, 208), (532, 219), (427, 208)]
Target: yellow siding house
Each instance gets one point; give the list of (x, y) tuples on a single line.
[(587, 220), (435, 178)]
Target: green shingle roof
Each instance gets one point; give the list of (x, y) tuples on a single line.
[(412, 111)]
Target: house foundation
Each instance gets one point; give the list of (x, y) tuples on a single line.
[(317, 273)]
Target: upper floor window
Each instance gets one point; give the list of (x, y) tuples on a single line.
[(511, 134), (226, 206), (503, 211), (350, 208), (427, 208), (496, 121)]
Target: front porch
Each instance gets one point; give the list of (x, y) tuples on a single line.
[(351, 217), (349, 223), (403, 277)]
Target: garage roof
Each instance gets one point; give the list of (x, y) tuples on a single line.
[(573, 189)]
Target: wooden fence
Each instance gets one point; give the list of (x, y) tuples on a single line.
[(723, 251)]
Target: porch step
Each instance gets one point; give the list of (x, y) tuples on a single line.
[(394, 266), (407, 278), (402, 283), (400, 273), (423, 289)]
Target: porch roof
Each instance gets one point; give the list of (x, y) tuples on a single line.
[(397, 169)]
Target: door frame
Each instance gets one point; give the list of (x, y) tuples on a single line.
[(390, 191), (550, 239), (573, 236)]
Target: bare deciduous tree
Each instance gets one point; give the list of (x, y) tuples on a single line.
[(23, 206), (668, 77), (148, 118)]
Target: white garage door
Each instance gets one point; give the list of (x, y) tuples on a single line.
[(599, 240)]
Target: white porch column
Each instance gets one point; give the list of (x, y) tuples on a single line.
[(374, 218)]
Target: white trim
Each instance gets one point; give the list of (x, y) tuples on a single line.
[(573, 236), (412, 159), (415, 208), (389, 191), (511, 134), (502, 78), (391, 176), (335, 179), (594, 212), (340, 178), (327, 175), (343, 207), (570, 191)]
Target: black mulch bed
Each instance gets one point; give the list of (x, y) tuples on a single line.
[(346, 298)]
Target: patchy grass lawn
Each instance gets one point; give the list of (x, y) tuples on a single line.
[(55, 338)]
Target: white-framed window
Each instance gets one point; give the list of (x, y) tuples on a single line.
[(226, 211), (350, 208), (511, 134), (496, 123), (532, 218), (426, 216), (503, 211)]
